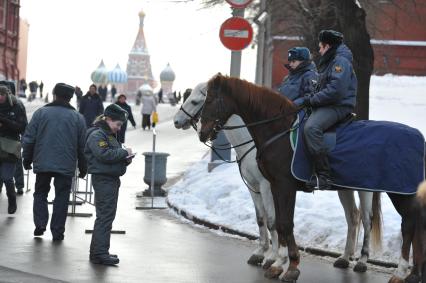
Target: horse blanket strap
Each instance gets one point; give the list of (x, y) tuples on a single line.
[(376, 156)]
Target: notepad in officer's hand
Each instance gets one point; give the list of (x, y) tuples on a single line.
[(131, 156)]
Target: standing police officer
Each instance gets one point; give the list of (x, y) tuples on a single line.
[(12, 125), (54, 142), (107, 161), (334, 100), (302, 76)]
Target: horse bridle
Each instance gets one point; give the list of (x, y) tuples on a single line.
[(194, 119)]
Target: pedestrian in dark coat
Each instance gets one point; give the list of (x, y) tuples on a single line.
[(103, 91), (302, 76), (333, 100), (113, 92), (79, 95), (41, 86), (19, 170), (107, 161), (91, 106), (121, 101), (54, 143), (12, 125)]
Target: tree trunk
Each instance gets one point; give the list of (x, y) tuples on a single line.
[(351, 19)]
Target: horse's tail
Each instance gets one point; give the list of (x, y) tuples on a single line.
[(376, 222)]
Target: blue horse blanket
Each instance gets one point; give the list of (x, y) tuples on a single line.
[(369, 155)]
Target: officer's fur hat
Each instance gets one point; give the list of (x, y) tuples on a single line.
[(115, 112), (299, 53), (63, 90), (330, 37)]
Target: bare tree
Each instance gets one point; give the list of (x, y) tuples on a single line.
[(305, 18)]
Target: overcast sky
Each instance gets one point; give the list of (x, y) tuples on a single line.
[(68, 39)]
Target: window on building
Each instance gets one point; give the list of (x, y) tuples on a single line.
[(13, 19), (3, 14)]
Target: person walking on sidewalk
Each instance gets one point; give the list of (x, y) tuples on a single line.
[(149, 105), (91, 106), (107, 161), (19, 171), (12, 125), (121, 101), (54, 143)]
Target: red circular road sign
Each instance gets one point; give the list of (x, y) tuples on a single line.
[(236, 33), (239, 3)]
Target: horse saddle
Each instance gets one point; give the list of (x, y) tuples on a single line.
[(366, 155)]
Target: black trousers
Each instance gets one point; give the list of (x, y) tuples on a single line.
[(106, 197), (62, 185), (146, 121)]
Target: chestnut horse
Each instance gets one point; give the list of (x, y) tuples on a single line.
[(227, 96)]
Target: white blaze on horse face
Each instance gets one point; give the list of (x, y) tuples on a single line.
[(191, 106)]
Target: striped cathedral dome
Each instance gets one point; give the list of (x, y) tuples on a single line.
[(100, 75), (117, 75)]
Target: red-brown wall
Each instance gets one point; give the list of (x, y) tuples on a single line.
[(398, 33)]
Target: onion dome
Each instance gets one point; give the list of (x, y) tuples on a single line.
[(100, 75), (167, 75), (146, 89), (117, 75)]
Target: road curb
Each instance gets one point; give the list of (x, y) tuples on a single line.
[(310, 250)]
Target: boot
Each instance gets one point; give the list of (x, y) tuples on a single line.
[(321, 180), (12, 204), (104, 260), (11, 197)]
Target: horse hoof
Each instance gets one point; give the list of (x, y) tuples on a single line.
[(273, 272), (291, 275), (396, 279), (268, 263), (412, 278), (341, 263), (255, 260), (360, 267)]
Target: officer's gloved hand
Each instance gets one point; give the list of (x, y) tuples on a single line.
[(27, 164), (303, 102)]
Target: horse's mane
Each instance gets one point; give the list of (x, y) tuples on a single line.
[(261, 99)]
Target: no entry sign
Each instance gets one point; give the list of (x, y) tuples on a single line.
[(239, 3), (236, 33)]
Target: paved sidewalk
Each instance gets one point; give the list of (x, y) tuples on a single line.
[(157, 247)]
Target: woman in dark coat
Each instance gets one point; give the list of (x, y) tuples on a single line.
[(121, 101)]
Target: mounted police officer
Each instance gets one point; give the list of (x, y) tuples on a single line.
[(107, 161), (12, 124), (54, 143), (334, 100), (302, 76)]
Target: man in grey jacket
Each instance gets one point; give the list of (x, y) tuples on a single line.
[(54, 143)]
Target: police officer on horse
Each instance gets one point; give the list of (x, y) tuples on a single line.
[(302, 75), (333, 100)]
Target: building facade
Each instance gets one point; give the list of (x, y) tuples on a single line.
[(9, 38), (139, 65), (398, 37), (24, 27)]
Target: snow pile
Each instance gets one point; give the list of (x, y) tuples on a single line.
[(222, 198)]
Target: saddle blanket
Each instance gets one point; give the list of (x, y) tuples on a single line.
[(377, 156)]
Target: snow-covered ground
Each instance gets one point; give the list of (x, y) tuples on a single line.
[(222, 198)]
